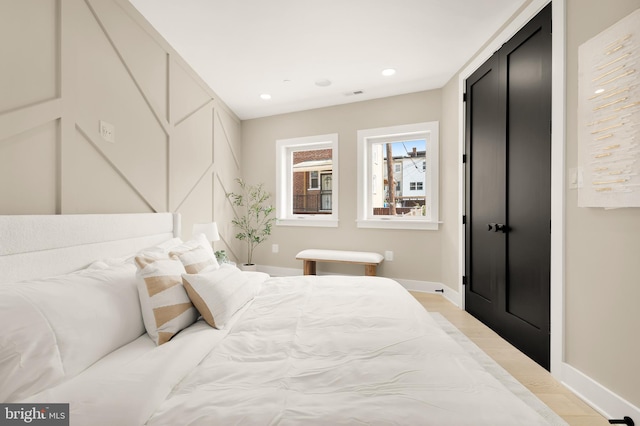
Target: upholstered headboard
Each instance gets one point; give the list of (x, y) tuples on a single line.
[(40, 246)]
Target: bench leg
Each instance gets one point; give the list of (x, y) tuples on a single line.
[(309, 267), (370, 270)]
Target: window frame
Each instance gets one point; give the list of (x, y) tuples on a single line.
[(366, 139), (284, 180), (311, 179)]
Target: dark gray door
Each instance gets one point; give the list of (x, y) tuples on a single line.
[(508, 190)]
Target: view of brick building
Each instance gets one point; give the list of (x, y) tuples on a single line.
[(312, 176)]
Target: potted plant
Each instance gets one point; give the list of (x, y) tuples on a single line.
[(252, 216), (221, 256)]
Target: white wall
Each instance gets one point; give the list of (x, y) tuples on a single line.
[(417, 254), (602, 286)]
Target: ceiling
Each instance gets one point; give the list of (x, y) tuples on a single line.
[(291, 49)]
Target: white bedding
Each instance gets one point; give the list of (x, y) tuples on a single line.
[(306, 351)]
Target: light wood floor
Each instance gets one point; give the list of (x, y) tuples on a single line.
[(538, 380)]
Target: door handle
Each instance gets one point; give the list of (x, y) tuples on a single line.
[(501, 227), (497, 227)]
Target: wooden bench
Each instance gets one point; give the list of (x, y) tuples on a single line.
[(311, 256)]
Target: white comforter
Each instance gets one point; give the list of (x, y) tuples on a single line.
[(307, 351)]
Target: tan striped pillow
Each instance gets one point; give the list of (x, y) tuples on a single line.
[(166, 307), (220, 293), (196, 260)]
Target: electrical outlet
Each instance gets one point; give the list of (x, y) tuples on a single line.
[(388, 255), (275, 248), (107, 131)]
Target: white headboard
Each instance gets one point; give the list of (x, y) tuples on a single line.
[(39, 246)]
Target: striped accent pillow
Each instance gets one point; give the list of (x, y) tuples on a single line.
[(195, 260), (166, 307), (220, 293)]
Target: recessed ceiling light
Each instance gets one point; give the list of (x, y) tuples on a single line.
[(323, 82), (388, 72), (265, 96)]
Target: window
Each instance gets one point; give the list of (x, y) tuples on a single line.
[(307, 181), (314, 180), (407, 162)]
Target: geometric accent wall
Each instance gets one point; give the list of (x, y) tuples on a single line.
[(67, 66)]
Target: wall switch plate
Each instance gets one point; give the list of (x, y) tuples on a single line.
[(275, 248), (388, 255), (575, 178), (107, 131)]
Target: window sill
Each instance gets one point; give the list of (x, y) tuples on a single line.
[(308, 221), (419, 225)]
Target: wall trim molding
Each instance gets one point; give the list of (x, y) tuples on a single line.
[(606, 402), (226, 138), (16, 121), (207, 172), (196, 110), (115, 168), (145, 96)]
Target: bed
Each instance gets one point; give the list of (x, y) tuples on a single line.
[(257, 350)]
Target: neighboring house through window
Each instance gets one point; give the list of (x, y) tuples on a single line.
[(409, 167), (307, 181)]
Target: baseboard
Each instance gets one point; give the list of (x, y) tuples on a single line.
[(607, 403), (411, 285), (431, 287), (277, 271)]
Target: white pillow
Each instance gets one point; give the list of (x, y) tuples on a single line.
[(220, 293), (196, 260), (54, 328), (200, 240), (29, 357), (166, 308), (167, 245), (159, 250)]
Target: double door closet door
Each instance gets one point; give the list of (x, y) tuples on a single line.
[(508, 190)]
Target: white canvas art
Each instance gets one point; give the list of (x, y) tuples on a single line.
[(609, 116)]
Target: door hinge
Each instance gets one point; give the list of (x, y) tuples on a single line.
[(464, 219), (464, 97), (464, 158), (464, 280)]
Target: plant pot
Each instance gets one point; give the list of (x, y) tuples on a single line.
[(248, 267)]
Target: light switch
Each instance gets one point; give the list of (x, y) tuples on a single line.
[(107, 131), (575, 178)]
